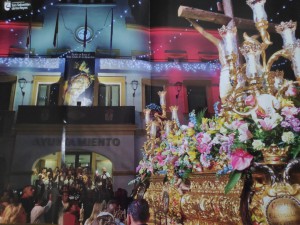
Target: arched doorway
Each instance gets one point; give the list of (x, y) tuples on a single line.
[(87, 161)]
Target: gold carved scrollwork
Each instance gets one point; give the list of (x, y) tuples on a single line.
[(275, 202), (205, 203)]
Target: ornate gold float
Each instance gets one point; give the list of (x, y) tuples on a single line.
[(205, 203), (269, 193)]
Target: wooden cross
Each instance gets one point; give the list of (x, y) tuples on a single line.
[(227, 18)]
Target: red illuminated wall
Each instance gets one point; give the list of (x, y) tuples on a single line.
[(188, 40)]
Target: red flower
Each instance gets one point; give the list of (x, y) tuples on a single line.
[(240, 159)]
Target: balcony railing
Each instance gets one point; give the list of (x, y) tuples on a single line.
[(76, 115)]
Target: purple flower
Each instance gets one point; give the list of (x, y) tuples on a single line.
[(285, 124)]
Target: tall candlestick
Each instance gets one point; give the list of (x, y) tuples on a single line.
[(147, 115), (258, 8), (296, 59), (228, 35), (162, 95), (251, 52), (168, 127), (287, 32), (153, 129), (174, 110)]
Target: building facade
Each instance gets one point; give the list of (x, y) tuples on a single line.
[(132, 62)]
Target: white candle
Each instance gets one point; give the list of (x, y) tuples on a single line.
[(147, 115), (162, 95), (153, 129), (252, 52), (296, 60), (258, 8), (174, 110), (287, 32), (168, 127), (228, 35)]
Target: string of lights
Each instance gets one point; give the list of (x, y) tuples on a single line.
[(138, 3), (120, 64)]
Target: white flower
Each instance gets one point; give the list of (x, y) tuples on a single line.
[(288, 137), (258, 144), (184, 127), (223, 130)]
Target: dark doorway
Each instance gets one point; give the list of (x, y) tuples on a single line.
[(5, 95)]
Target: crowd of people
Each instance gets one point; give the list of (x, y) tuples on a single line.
[(71, 198), (77, 180)]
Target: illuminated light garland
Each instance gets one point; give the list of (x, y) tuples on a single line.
[(121, 64), (139, 65), (121, 16), (39, 63), (125, 64), (187, 67)]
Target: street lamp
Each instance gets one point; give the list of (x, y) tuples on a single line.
[(178, 86), (134, 86), (22, 84)]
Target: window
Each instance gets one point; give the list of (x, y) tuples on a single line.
[(198, 95), (196, 98), (111, 91), (150, 89), (46, 90), (151, 94), (109, 95), (78, 159), (48, 94)]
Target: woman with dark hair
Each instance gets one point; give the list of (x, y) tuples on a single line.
[(71, 215), (97, 208)]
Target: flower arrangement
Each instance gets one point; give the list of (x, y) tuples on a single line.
[(228, 143)]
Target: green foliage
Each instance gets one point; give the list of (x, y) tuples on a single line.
[(295, 150), (200, 115), (234, 178)]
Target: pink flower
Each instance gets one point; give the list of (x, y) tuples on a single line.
[(203, 138), (261, 113), (245, 134), (160, 158), (191, 125), (250, 100), (291, 91), (269, 123), (289, 111), (204, 148), (235, 124), (240, 159)]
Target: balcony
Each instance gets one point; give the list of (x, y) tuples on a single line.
[(76, 115)]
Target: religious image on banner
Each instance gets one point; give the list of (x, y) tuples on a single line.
[(79, 79)]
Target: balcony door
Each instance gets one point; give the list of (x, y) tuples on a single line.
[(7, 92)]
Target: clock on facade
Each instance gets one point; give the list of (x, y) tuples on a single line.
[(79, 34)]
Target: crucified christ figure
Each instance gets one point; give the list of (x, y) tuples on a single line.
[(225, 86)]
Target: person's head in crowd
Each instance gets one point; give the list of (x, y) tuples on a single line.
[(5, 200), (97, 208), (65, 196), (73, 208), (112, 206), (14, 212), (104, 170), (39, 199), (138, 212), (28, 191)]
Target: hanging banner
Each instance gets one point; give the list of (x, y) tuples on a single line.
[(79, 79)]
